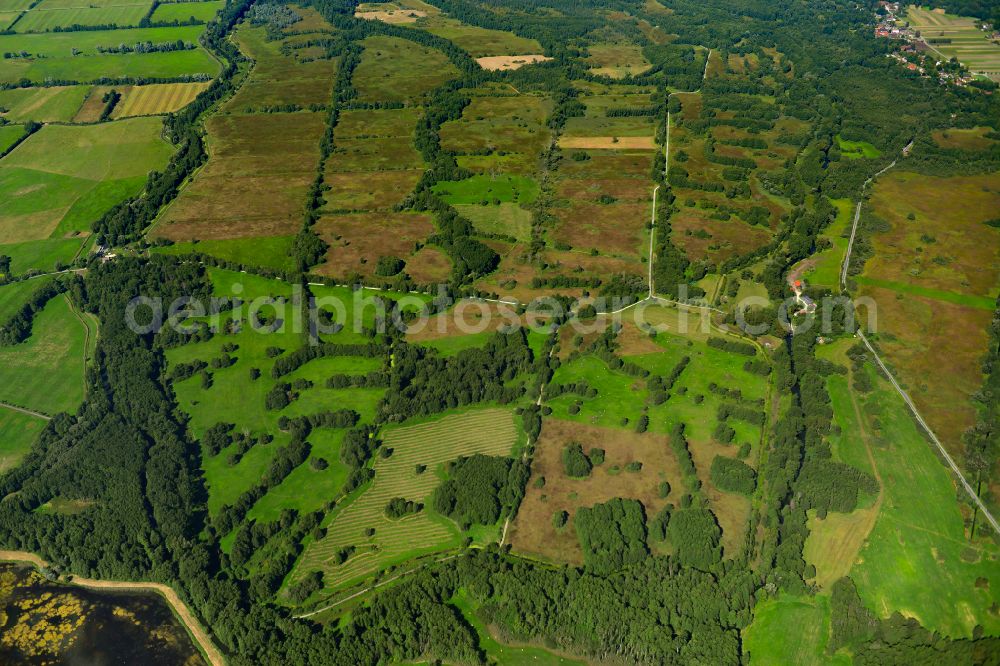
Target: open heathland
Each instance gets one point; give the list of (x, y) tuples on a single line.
[(259, 170), (617, 60), (479, 41), (430, 444), (356, 242), (45, 373), (934, 279), (398, 70), (281, 76), (533, 531)]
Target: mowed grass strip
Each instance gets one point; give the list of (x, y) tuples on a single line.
[(434, 443), (54, 104), (158, 98)]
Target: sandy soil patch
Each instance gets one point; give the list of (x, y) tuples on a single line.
[(392, 16), (608, 142), (504, 63)]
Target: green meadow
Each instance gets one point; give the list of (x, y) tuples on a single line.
[(45, 105), (16, 294), (45, 372), (17, 433), (9, 134), (825, 271), (182, 11), (791, 631), (270, 251), (857, 149), (968, 300), (479, 189)]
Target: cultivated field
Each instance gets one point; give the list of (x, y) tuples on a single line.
[(45, 372), (47, 15), (62, 178), (54, 55), (55, 104), (156, 98), (533, 533), (934, 280), (433, 443), (958, 37), (204, 10)]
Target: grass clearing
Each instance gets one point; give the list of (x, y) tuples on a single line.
[(617, 60), (45, 372), (825, 271), (494, 190), (478, 41), (432, 443), (791, 630), (857, 149), (16, 294), (18, 433), (271, 251), (964, 139)]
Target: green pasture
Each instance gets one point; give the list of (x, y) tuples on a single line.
[(270, 251), (478, 41), (45, 372), (918, 559), (506, 218), (968, 300), (477, 189), (18, 432), (50, 104), (162, 65), (44, 255), (9, 134), (857, 149), (16, 294), (182, 11), (42, 17)]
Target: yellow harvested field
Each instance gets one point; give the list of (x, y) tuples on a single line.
[(504, 63), (157, 98), (392, 16), (608, 142), (485, 431)]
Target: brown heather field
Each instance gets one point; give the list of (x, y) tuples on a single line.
[(964, 139), (429, 265), (504, 125), (375, 154), (934, 279), (369, 190), (513, 277), (357, 240), (532, 532), (394, 69), (467, 317), (388, 123), (617, 229), (279, 79), (255, 182)]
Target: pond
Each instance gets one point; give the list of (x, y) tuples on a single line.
[(44, 622)]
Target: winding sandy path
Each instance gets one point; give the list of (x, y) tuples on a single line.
[(184, 614)]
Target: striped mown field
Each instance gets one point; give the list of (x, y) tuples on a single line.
[(157, 98), (486, 431)]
